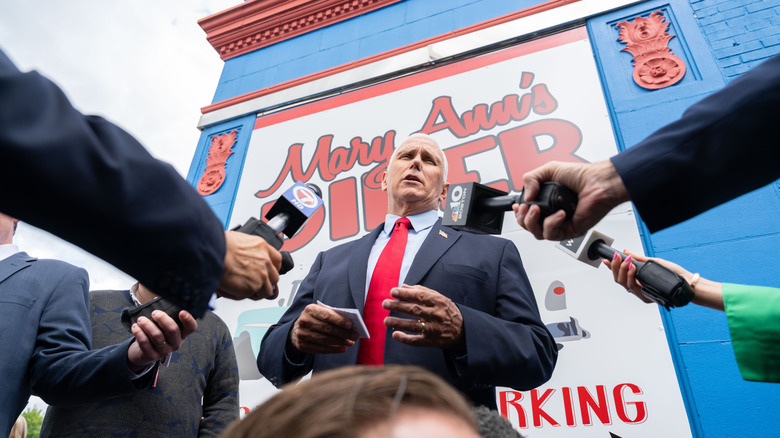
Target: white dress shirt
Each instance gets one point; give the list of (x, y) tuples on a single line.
[(421, 224)]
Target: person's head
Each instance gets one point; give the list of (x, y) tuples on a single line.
[(492, 425), (362, 402), (415, 179), (7, 229)]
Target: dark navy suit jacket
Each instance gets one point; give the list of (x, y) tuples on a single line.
[(723, 146), (45, 340), (91, 183), (507, 343)]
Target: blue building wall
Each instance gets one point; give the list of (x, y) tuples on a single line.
[(736, 242), (378, 31)]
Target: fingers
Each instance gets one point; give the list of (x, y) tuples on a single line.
[(554, 226), (599, 189), (436, 321), (533, 179), (410, 325), (322, 330), (251, 267), (624, 273), (155, 341), (417, 301), (528, 218)]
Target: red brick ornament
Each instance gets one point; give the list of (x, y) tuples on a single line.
[(219, 151), (655, 66)]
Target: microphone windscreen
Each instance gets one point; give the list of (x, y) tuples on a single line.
[(315, 188)]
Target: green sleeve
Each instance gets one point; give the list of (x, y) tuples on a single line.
[(753, 315)]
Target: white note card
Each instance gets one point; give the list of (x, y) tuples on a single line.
[(357, 321)]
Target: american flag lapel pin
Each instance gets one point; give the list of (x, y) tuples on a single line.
[(442, 234)]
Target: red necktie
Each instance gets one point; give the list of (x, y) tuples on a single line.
[(384, 278)]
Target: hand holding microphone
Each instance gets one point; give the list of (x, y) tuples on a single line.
[(598, 187), (480, 208), (253, 262), (659, 283)]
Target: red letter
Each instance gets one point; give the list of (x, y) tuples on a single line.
[(544, 102), (343, 208), (374, 204), (442, 107), (601, 409), (620, 404), (522, 153), (515, 402), (536, 407), (568, 405), (456, 158)]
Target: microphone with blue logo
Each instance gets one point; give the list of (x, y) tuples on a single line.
[(288, 214)]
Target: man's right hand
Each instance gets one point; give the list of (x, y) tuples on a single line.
[(598, 186), (321, 330), (251, 267)]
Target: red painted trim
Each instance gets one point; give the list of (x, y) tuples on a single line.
[(423, 77), (552, 4), (258, 23)]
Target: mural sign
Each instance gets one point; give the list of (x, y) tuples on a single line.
[(496, 116)]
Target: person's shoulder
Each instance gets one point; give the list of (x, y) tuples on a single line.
[(210, 319), (477, 237), (212, 325), (55, 266), (345, 247)]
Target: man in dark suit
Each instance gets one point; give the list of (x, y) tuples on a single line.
[(91, 183), (45, 337), (722, 147), (463, 307)]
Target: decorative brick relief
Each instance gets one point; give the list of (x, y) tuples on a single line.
[(655, 66), (258, 23), (219, 151)]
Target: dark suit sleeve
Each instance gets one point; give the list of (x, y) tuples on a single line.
[(220, 398), (722, 147), (91, 183), (272, 361), (510, 347), (63, 369)]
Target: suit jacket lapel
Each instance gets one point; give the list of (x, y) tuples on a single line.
[(358, 262), (14, 264), (434, 246)]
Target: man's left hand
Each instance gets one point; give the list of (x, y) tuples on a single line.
[(437, 320), (155, 341)]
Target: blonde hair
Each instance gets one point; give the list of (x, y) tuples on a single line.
[(346, 401)]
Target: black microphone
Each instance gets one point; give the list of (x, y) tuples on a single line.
[(480, 208), (287, 216), (659, 284)]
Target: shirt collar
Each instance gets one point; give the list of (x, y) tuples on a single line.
[(8, 250), (420, 221)]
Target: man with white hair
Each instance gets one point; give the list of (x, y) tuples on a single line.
[(456, 303)]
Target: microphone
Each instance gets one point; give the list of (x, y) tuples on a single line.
[(287, 216), (659, 284), (480, 208)]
